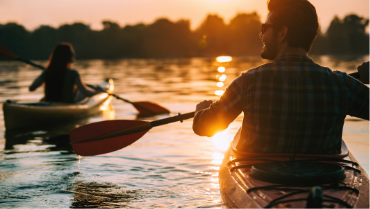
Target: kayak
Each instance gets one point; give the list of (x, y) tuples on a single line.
[(282, 180), (22, 115)]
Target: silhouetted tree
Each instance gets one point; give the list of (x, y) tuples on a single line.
[(15, 37), (41, 42), (212, 32), (358, 39), (347, 36), (243, 34), (165, 38), (320, 44)]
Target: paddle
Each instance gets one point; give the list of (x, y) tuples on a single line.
[(7, 54), (111, 135), (144, 108)]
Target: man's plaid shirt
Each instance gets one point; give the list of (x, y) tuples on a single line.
[(290, 105)]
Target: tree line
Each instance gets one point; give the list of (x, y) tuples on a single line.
[(165, 39)]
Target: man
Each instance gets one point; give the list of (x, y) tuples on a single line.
[(291, 105)]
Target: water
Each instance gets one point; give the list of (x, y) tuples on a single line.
[(169, 167)]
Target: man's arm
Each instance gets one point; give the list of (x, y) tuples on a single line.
[(213, 118), (363, 70), (358, 98), (362, 73)]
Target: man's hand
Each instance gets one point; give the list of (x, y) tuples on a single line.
[(363, 70), (203, 105)]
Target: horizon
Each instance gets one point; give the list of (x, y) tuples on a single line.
[(26, 12)]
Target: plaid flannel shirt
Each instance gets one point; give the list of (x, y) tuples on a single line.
[(290, 105)]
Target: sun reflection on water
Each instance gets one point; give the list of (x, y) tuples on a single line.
[(219, 92), (105, 105), (222, 77), (221, 69), (220, 84), (224, 59), (79, 163), (217, 158), (221, 142)]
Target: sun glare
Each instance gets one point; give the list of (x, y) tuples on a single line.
[(220, 84), (222, 77), (217, 158), (219, 92), (221, 142), (221, 69), (105, 105), (224, 59)]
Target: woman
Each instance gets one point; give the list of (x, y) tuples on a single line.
[(61, 82)]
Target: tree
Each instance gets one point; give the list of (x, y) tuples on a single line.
[(212, 32), (243, 34), (14, 37), (348, 36)]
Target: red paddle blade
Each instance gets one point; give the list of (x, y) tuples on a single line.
[(107, 136), (149, 108), (7, 54)]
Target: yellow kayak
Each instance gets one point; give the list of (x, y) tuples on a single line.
[(25, 115)]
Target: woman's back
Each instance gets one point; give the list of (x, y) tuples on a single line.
[(61, 89), (60, 81)]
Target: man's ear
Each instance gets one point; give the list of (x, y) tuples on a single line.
[(283, 33)]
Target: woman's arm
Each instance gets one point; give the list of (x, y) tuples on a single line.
[(84, 90), (37, 83)]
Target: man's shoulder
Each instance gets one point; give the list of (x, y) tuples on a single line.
[(328, 73), (311, 69), (256, 71)]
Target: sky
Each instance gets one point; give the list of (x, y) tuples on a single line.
[(33, 13)]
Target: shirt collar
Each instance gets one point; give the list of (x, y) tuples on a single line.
[(293, 58)]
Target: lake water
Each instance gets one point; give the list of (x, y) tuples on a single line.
[(168, 167)]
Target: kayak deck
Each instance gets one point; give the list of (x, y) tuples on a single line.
[(240, 190)]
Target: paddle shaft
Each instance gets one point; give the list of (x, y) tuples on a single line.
[(31, 63), (179, 117), (140, 127), (125, 100)]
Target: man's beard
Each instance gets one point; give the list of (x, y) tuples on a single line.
[(270, 50)]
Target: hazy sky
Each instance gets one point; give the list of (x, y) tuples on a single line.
[(33, 13)]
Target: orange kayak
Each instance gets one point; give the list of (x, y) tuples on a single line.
[(260, 180)]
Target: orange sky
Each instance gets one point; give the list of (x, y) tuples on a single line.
[(33, 13)]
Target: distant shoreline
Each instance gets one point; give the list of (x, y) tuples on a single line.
[(166, 39)]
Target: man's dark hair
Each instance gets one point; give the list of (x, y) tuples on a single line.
[(301, 19)]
